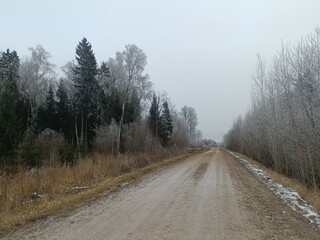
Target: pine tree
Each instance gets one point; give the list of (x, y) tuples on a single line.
[(11, 121), (154, 115), (165, 124), (86, 95)]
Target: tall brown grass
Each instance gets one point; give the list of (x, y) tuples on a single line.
[(27, 194)]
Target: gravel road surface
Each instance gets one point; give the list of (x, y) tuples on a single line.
[(207, 196)]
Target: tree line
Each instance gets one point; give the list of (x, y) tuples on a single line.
[(282, 127), (110, 108)]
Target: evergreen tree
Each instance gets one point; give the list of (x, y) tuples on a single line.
[(101, 107), (11, 104), (104, 73), (154, 116), (64, 114), (47, 115), (51, 110), (41, 119), (133, 112), (87, 89), (165, 124), (112, 108)]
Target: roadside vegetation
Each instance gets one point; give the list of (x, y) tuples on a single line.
[(310, 195), (30, 194), (281, 130), (65, 139)]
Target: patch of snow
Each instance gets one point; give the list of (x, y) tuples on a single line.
[(288, 195)]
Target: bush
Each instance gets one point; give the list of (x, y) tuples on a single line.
[(67, 155), (30, 155), (106, 138), (48, 148), (50, 142), (139, 139)]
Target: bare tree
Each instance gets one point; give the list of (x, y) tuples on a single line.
[(126, 73), (36, 74), (190, 116), (180, 133), (282, 127)]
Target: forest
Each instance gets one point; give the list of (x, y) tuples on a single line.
[(111, 108), (67, 136), (282, 126)]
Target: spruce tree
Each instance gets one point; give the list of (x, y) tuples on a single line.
[(165, 124), (11, 121), (47, 115), (64, 114), (51, 109), (154, 115), (133, 112), (87, 89)]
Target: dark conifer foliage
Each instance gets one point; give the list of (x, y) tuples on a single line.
[(154, 116), (165, 124), (133, 112), (11, 104), (41, 117), (51, 109), (87, 91), (64, 113), (47, 114)]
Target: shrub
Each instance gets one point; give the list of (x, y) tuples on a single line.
[(106, 138), (29, 154)]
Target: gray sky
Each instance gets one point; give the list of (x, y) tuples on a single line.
[(201, 52)]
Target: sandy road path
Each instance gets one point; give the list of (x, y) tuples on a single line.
[(207, 196)]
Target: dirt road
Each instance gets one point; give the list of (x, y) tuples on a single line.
[(207, 196)]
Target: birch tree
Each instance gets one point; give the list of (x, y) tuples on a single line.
[(127, 73), (190, 116), (36, 74)]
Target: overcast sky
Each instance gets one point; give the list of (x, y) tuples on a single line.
[(201, 52)]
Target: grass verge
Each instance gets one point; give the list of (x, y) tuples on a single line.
[(29, 195), (311, 196)]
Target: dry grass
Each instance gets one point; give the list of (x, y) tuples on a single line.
[(310, 195), (28, 195)]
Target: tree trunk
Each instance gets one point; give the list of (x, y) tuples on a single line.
[(86, 133), (314, 182), (120, 129), (81, 137), (297, 147), (76, 129)]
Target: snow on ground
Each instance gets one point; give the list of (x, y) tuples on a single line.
[(288, 195)]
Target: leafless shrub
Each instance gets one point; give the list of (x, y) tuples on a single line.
[(138, 138), (106, 138), (50, 142), (180, 133)]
